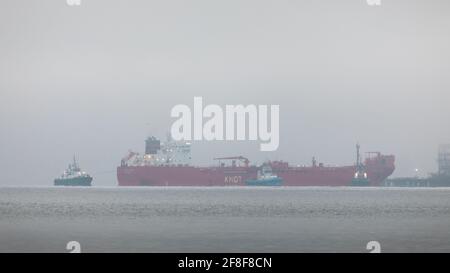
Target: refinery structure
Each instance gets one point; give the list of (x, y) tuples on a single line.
[(444, 160), (441, 178)]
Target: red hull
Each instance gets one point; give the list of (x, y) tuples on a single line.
[(378, 169)]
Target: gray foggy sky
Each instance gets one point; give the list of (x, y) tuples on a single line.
[(95, 80)]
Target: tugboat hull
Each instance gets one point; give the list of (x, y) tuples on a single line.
[(266, 182), (76, 181)]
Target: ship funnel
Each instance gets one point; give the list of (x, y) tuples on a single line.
[(152, 145)]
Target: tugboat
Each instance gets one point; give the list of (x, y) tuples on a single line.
[(265, 178), (73, 176), (360, 179)]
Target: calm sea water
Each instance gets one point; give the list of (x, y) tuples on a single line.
[(224, 219)]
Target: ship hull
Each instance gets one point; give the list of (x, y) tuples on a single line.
[(237, 176), (265, 182), (183, 176), (77, 181)]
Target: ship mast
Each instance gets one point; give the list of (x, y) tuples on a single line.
[(360, 170), (358, 155), (75, 164)]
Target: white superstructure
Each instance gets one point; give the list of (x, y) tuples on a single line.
[(161, 153)]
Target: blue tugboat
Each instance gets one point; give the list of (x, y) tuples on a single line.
[(73, 176), (265, 178)]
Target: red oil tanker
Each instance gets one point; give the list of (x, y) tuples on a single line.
[(168, 164)]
